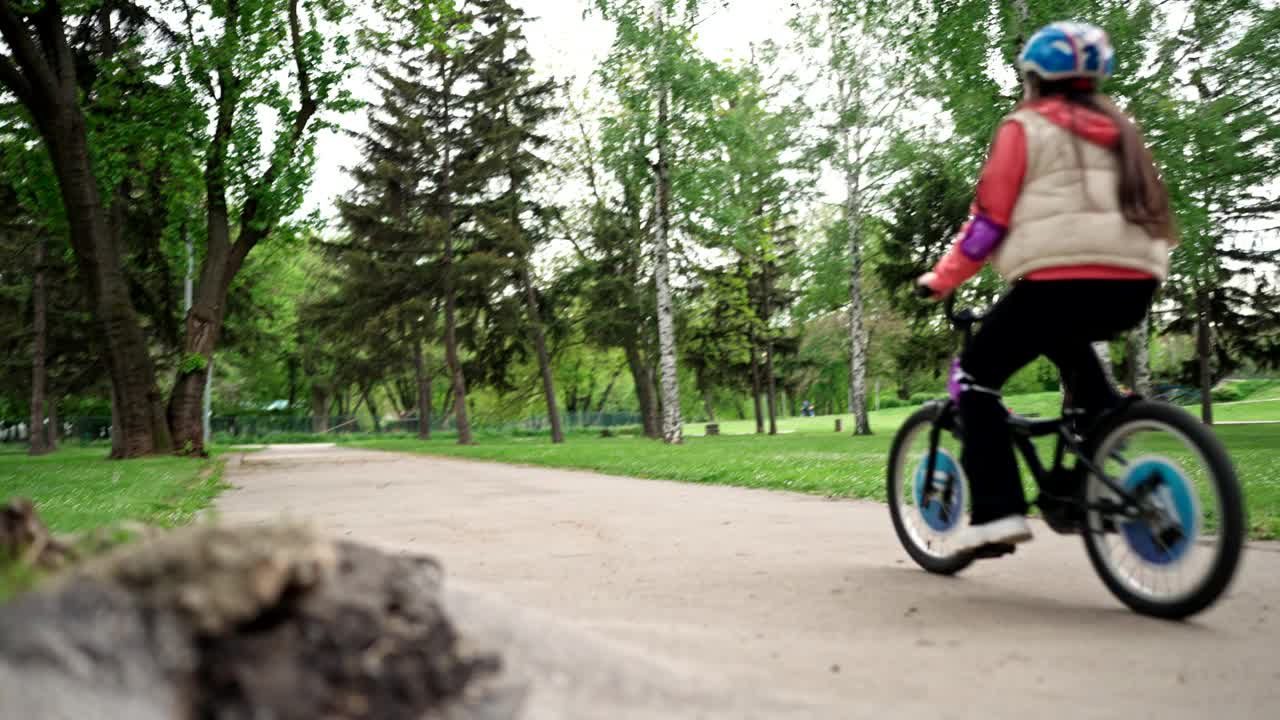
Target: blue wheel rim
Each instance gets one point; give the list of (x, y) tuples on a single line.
[(939, 515), (1176, 492)]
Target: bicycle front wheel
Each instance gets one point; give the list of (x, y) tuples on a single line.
[(926, 512), (1177, 552)]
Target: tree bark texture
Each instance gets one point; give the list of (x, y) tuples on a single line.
[(857, 324), (1204, 351), (1103, 350), (544, 360), (319, 409), (857, 327), (39, 349), (671, 424), (1140, 358)]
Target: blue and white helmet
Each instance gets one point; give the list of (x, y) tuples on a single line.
[(1066, 50)]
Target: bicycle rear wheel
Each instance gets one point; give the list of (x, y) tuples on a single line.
[(1177, 555), (926, 514)]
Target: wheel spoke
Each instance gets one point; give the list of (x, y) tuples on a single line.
[(1165, 572)]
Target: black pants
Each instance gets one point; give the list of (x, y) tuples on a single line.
[(1058, 319)]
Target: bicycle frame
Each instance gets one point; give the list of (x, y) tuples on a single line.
[(1024, 430)]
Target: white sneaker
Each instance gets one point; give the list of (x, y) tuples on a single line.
[(1009, 530)]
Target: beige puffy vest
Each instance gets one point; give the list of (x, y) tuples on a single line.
[(1055, 223)]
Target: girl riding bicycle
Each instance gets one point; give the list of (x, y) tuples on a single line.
[(1071, 210)]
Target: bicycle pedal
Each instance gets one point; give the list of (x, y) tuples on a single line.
[(994, 550)]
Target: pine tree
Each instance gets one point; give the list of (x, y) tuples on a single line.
[(411, 212), (514, 109)]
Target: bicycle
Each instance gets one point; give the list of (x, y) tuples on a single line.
[(1148, 516)]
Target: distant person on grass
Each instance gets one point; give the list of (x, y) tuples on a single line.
[(1072, 211)]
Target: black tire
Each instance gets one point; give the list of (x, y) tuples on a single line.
[(920, 421), (1231, 528)]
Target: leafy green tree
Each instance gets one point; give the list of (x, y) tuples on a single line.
[(59, 75), (863, 57), (666, 93)]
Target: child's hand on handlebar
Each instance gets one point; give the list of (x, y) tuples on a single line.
[(926, 286)]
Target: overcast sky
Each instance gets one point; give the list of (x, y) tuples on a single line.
[(568, 45)]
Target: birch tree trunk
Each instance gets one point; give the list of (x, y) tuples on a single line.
[(1103, 350), (1140, 358), (850, 98), (39, 350), (857, 327), (671, 424)]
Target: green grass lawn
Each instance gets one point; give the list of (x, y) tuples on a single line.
[(1246, 410), (808, 460), (884, 421), (78, 488)]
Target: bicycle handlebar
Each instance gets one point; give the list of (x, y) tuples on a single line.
[(963, 320)]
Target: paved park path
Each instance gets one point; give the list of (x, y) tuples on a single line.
[(790, 595)]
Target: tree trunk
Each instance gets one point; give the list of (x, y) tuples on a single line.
[(857, 328), (393, 399), (608, 390), (671, 424), (292, 365), (39, 350), (771, 389), (140, 426), (319, 409), (46, 86), (755, 385), (1103, 350), (644, 391), (771, 394), (373, 408), (851, 99), (117, 435), (1204, 351), (708, 406), (447, 416), (1140, 358), (544, 361), (51, 442), (423, 381), (458, 381), (223, 258)]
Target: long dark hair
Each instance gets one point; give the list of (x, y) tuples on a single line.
[(1144, 199)]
